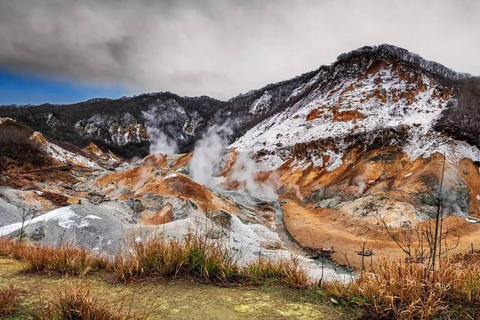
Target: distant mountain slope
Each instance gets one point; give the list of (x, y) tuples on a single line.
[(121, 123), (118, 123), (369, 93)]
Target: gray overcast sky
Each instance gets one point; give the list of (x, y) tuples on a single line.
[(222, 48)]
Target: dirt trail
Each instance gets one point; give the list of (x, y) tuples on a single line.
[(181, 299)]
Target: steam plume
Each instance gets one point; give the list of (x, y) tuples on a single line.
[(245, 172), (208, 153), (159, 141)]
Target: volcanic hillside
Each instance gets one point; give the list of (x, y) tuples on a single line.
[(319, 160), (367, 142)]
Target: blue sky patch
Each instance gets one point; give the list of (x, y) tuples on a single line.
[(29, 89)]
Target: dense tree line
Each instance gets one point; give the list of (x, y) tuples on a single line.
[(462, 119), (57, 122), (18, 151)]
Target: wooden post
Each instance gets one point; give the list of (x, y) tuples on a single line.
[(365, 253)]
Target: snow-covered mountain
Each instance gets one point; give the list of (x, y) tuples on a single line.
[(362, 94)]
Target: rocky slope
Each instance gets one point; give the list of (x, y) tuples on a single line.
[(91, 198), (368, 142), (362, 95)]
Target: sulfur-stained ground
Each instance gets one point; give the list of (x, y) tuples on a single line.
[(178, 299)]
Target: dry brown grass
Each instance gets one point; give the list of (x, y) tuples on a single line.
[(396, 290), (9, 298), (65, 260), (195, 258), (79, 303), (285, 271), (203, 260), (408, 291)]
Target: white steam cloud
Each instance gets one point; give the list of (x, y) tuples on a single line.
[(361, 180), (208, 156), (245, 172), (159, 141), (208, 152), (361, 183), (454, 194), (298, 192)]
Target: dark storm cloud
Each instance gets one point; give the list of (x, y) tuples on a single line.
[(221, 48)]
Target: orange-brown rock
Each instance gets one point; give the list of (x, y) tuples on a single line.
[(377, 80), (383, 179), (156, 160), (447, 93), (158, 217), (395, 96), (402, 72), (314, 114), (351, 87), (95, 152), (347, 115), (410, 97), (189, 129), (380, 94), (304, 150), (421, 86), (375, 66)]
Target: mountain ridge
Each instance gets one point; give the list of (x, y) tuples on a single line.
[(401, 53), (406, 56), (100, 120)]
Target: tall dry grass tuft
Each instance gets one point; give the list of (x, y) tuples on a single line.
[(203, 260), (9, 297), (400, 290), (285, 271), (79, 303), (59, 260), (193, 257)]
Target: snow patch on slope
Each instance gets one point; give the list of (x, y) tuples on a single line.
[(262, 104), (60, 154), (64, 216), (120, 130), (359, 96)]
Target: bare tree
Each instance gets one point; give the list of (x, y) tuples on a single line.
[(27, 215), (440, 208), (424, 242), (365, 252)]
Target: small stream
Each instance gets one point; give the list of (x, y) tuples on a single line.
[(292, 245), (250, 203)]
